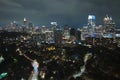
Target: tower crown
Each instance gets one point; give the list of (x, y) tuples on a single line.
[(25, 19)]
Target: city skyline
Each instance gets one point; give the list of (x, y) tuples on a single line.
[(72, 12)]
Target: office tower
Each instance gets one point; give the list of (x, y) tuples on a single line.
[(72, 32), (31, 27), (53, 25), (15, 25), (109, 27), (78, 35), (66, 32), (24, 25), (91, 24), (25, 21), (58, 36), (109, 24)]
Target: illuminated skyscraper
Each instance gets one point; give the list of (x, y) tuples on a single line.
[(91, 24), (109, 27), (25, 21), (53, 25), (109, 24), (24, 25)]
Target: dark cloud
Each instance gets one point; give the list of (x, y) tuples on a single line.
[(73, 12)]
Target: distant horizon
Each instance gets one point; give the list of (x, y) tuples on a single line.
[(20, 23), (71, 12)]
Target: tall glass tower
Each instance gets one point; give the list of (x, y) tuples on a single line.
[(91, 24)]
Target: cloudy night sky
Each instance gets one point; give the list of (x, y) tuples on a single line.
[(71, 12)]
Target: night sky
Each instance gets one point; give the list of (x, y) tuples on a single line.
[(71, 12)]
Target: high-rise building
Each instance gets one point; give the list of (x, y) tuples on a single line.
[(72, 31), (91, 24), (12, 27), (109, 27), (25, 21), (66, 32), (24, 25), (31, 27), (53, 25), (109, 24), (58, 36), (78, 35)]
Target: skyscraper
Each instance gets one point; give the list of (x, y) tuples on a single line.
[(91, 24), (58, 36), (30, 27), (109, 24), (24, 25)]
